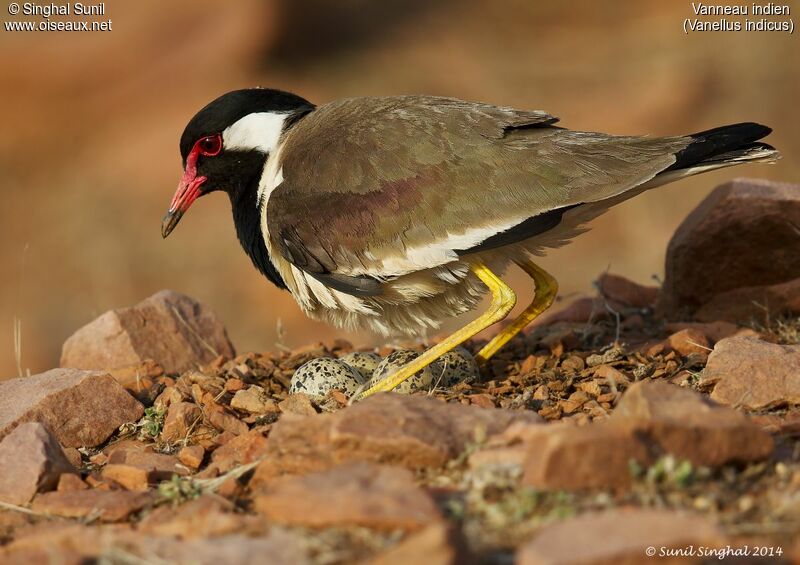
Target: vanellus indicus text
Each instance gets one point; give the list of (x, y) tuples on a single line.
[(396, 213)]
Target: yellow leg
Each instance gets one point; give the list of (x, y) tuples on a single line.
[(503, 300), (546, 289)]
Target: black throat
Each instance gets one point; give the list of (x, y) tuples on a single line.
[(247, 219)]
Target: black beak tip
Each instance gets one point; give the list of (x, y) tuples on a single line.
[(169, 222)]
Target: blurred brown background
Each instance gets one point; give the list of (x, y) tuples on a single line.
[(89, 152)]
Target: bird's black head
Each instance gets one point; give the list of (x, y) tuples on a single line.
[(226, 144)]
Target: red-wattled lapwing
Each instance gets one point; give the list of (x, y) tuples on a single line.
[(396, 213)]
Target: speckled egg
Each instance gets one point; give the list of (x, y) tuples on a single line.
[(365, 362), (422, 380), (318, 377), (459, 366)]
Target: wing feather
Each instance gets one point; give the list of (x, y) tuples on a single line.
[(382, 187)]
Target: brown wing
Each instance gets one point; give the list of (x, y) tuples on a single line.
[(381, 187)]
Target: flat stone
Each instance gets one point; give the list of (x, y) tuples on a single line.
[(417, 431), (436, 544), (161, 465), (618, 536), (413, 431), (754, 374), (170, 328), (253, 400), (742, 235), (690, 426), (205, 516), (129, 477), (275, 547), (353, 494), (80, 408), (31, 461), (298, 403), (69, 544), (105, 505), (567, 457)]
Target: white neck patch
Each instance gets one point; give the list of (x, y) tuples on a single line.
[(260, 131)]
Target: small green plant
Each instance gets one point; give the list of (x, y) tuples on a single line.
[(151, 423), (178, 490), (670, 470)]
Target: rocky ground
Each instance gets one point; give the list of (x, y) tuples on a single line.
[(640, 417)]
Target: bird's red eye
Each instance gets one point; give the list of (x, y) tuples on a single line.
[(210, 145)]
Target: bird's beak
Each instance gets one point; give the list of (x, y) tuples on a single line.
[(187, 193)]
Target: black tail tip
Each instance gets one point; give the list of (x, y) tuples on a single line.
[(745, 132), (719, 141)]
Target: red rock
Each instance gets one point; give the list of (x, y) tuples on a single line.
[(202, 517), (160, 465), (568, 457), (128, 476), (625, 292), (175, 331), (688, 341), (169, 396), (508, 447), (299, 404), (275, 547), (31, 461), (436, 544), (124, 446), (689, 426), (75, 544), (70, 481), (413, 431), (742, 235), (754, 374), (192, 456), (253, 400), (759, 303), (234, 385), (54, 542), (783, 424), (241, 450), (221, 418), (136, 469), (612, 376), (714, 331), (354, 494), (80, 408), (106, 505), (618, 536), (482, 400), (181, 419)]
